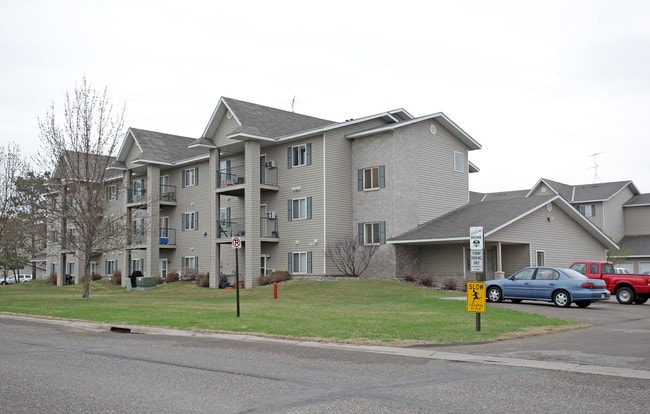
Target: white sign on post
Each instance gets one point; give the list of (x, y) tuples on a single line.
[(476, 261), (236, 243), (476, 249), (476, 238)]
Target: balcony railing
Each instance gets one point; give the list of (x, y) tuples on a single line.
[(237, 227), (236, 176), (136, 194), (167, 236), (137, 237), (168, 193), (231, 228)]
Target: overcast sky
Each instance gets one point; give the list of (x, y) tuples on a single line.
[(540, 85)]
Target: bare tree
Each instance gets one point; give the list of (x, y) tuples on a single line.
[(79, 155), (31, 190), (350, 257), (11, 166)]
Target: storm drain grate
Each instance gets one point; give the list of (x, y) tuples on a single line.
[(119, 329)]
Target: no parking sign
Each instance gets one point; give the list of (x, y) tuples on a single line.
[(236, 243)]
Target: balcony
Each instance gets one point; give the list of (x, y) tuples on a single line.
[(137, 238), (237, 228), (136, 195), (167, 238), (168, 195), (231, 181)]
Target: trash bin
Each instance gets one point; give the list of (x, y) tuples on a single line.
[(134, 277)]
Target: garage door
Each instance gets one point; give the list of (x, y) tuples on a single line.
[(644, 267)]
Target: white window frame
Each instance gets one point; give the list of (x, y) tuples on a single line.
[(164, 267), (371, 234), (587, 210), (112, 192), (299, 208), (371, 178), (190, 221), (111, 267), (93, 267), (299, 155), (71, 268), (190, 177), (137, 264), (189, 262), (459, 162), (299, 263)]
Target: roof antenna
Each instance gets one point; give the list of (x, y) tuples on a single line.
[(293, 102), (595, 167)]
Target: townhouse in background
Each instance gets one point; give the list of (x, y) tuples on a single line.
[(289, 186)]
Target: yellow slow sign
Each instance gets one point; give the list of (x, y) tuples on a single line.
[(476, 297)]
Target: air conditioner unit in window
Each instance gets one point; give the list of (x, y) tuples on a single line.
[(271, 214), (270, 164)]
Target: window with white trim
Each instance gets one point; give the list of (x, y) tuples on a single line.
[(300, 262), (137, 264), (190, 221), (164, 264), (372, 178), (299, 155), (93, 267), (110, 267), (300, 208), (189, 262), (72, 269), (459, 161), (372, 233), (190, 177), (587, 210), (111, 192)]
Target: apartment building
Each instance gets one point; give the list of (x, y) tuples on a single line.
[(287, 185)]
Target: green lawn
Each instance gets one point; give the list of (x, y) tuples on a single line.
[(358, 311)]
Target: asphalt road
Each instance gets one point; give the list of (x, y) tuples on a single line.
[(72, 367)]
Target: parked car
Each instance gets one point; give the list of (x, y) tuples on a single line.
[(12, 279), (628, 288), (551, 284)]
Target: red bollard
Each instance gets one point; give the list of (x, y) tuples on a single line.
[(275, 290)]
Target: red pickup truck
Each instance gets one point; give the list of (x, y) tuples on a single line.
[(628, 288)]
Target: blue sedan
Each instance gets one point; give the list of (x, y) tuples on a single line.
[(550, 284)]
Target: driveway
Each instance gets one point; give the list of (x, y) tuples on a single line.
[(616, 336)]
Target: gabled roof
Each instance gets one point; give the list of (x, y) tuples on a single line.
[(158, 148), (258, 121), (271, 124), (640, 200), (440, 117), (586, 193), (493, 215), (636, 246), (83, 166)]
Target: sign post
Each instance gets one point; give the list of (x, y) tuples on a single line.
[(236, 244), (476, 290)]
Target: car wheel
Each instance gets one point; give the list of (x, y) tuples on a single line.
[(562, 299), (3, 283), (583, 303), (625, 295), (494, 294), (640, 301)]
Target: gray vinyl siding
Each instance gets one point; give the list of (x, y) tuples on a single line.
[(226, 127), (637, 220), (189, 199), (439, 188), (300, 182), (613, 216), (562, 239)]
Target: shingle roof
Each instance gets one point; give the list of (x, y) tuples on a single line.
[(264, 121), (636, 245), (597, 191), (158, 147), (638, 200), (492, 215)]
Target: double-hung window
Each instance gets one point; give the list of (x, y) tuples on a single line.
[(300, 262), (587, 210), (299, 155), (190, 177), (111, 192), (189, 262), (372, 233), (371, 178), (110, 267), (459, 161), (190, 221), (300, 208)]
